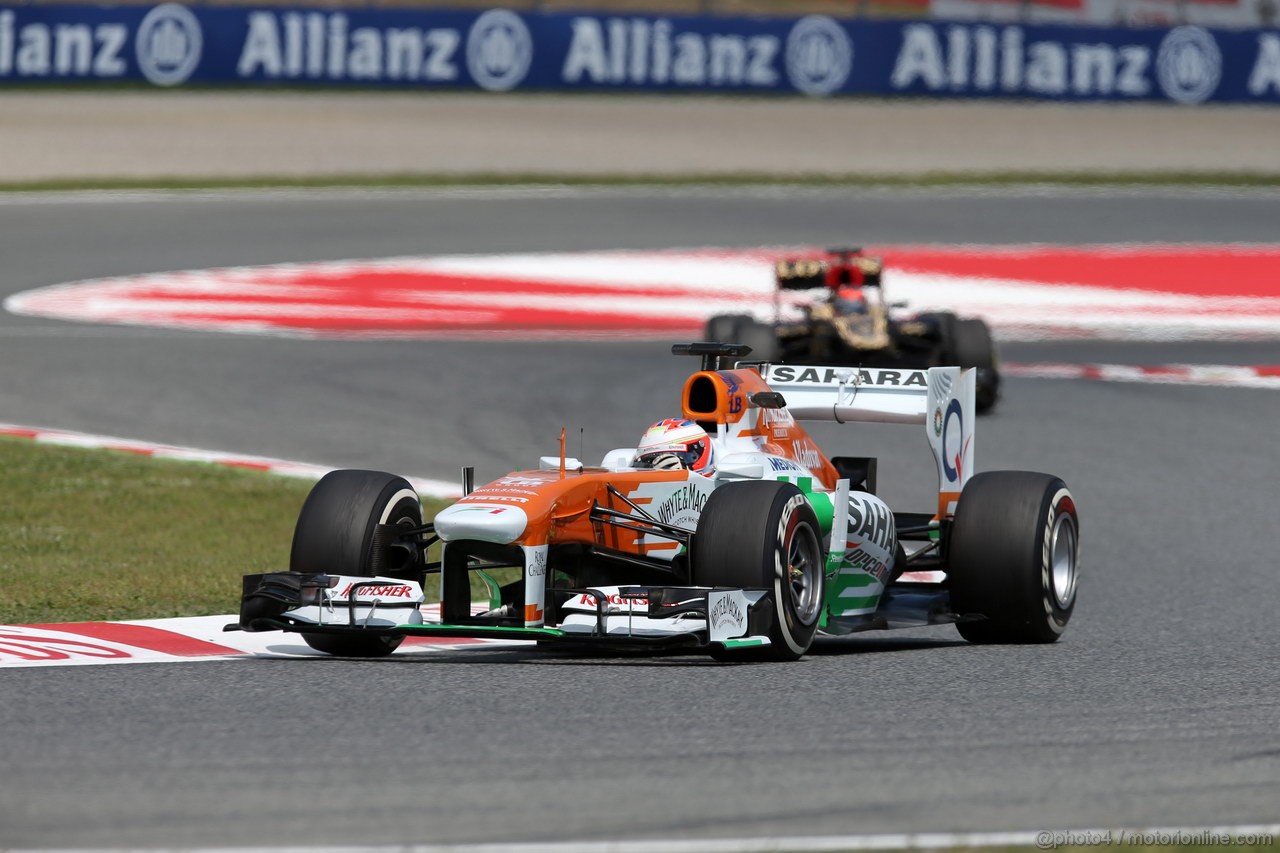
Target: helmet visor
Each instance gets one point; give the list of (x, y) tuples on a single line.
[(689, 455)]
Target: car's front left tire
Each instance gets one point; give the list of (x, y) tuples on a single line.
[(765, 534)]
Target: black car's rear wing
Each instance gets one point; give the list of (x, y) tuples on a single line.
[(839, 268)]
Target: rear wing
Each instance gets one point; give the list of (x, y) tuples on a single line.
[(940, 398), (836, 268)]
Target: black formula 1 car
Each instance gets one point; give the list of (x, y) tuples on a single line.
[(847, 321)]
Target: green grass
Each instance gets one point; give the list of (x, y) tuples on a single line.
[(926, 179), (108, 535)]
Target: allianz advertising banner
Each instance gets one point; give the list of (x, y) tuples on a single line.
[(501, 50)]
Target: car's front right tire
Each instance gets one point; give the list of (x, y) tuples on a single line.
[(336, 534)]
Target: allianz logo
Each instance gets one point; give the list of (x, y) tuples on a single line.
[(817, 54), (638, 51), (39, 50), (496, 50), (1187, 64), (167, 47)]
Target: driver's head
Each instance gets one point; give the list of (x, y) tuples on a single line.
[(851, 300), (675, 443)]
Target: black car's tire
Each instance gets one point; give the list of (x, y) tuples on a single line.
[(765, 534), (761, 337), (335, 534), (974, 347), (944, 322), (1013, 557), (723, 328)]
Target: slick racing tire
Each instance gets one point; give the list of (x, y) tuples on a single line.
[(723, 328), (765, 534), (761, 337), (975, 348), (944, 322), (335, 534), (1014, 557)]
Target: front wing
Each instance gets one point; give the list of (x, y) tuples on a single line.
[(608, 616)]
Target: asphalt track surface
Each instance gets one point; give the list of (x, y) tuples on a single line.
[(1158, 707)]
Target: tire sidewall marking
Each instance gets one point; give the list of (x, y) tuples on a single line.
[(394, 501), (1056, 617), (788, 522)]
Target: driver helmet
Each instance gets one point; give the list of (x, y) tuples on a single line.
[(851, 300), (673, 444)]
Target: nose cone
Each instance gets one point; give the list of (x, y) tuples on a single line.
[(496, 523)]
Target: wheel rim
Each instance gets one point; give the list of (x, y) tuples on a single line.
[(804, 573), (1062, 556)]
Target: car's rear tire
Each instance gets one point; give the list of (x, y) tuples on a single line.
[(1013, 557), (723, 328), (974, 347), (761, 337), (944, 322), (765, 534), (335, 534)]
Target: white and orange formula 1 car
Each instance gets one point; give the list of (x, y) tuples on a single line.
[(777, 545)]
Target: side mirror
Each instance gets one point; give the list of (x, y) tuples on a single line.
[(768, 399), (618, 459), (552, 463)]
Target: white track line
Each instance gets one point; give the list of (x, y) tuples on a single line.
[(1259, 834), (304, 470), (1218, 375), (678, 187)]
